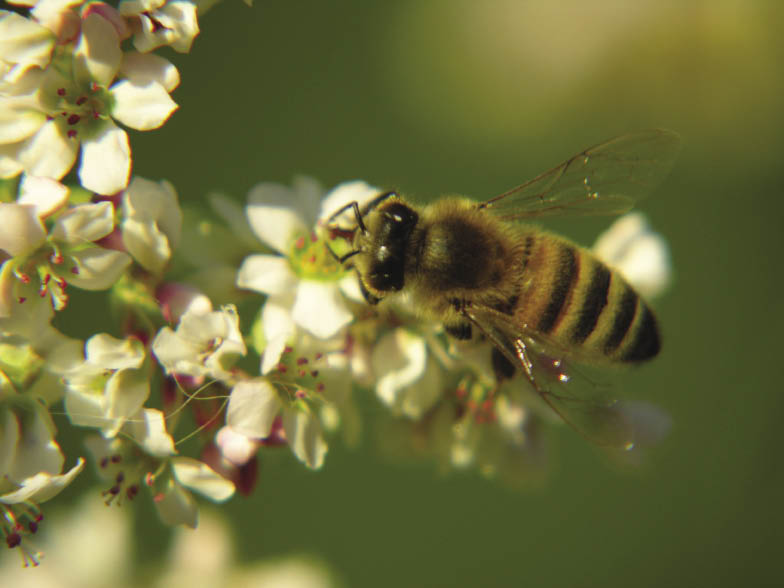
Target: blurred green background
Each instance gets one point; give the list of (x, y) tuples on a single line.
[(435, 97)]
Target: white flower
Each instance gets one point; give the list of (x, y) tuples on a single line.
[(30, 458), (161, 22), (176, 506), (47, 114), (108, 387), (305, 283), (253, 408), (204, 344), (23, 44), (152, 222), (638, 252), (408, 380), (64, 256)]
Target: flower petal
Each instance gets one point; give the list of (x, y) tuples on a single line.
[(22, 231), (176, 506), (199, 477), (142, 68), (19, 123), (49, 152), (268, 274), (141, 107), (106, 160), (98, 268), (148, 429), (110, 353), (354, 191), (239, 449), (253, 406), (97, 56), (84, 223), (278, 214), (42, 486), (126, 393), (320, 309), (303, 431), (45, 194), (24, 41)]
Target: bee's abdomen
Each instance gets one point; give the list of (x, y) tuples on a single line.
[(575, 299)]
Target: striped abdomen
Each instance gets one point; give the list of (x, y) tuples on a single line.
[(574, 298)]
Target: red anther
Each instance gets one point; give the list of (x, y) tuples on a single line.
[(300, 243), (320, 387), (301, 373), (302, 360), (312, 259), (300, 394), (71, 133), (282, 368), (24, 278), (313, 237), (61, 91), (73, 119), (57, 258), (287, 349), (32, 526), (81, 100), (131, 491), (319, 355), (314, 373), (116, 458), (104, 462), (21, 299)]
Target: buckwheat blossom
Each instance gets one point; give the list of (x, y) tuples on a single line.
[(49, 114), (152, 222), (408, 379), (33, 354), (204, 344), (161, 22), (30, 465), (255, 405), (41, 263), (304, 281), (170, 478), (108, 387)]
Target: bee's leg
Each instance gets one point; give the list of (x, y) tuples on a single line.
[(460, 331), (502, 367), (376, 201)]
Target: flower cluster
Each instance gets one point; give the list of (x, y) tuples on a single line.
[(195, 380)]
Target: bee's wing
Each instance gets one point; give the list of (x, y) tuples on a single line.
[(568, 386), (606, 179)]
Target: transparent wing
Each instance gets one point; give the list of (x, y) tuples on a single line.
[(606, 179), (570, 388)]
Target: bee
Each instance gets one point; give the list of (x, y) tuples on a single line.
[(543, 301)]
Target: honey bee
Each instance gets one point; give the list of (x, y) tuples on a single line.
[(541, 300)]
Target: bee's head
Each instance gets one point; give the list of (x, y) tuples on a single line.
[(385, 243)]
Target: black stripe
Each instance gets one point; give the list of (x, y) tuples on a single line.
[(527, 248), (565, 275), (623, 319), (593, 304), (646, 338)]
